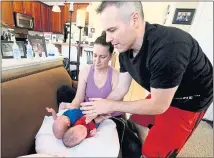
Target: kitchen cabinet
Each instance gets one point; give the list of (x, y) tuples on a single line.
[(18, 6), (56, 22), (27, 7), (36, 13), (66, 13), (76, 6), (7, 13), (45, 18)]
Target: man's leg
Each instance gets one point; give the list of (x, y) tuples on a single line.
[(170, 132), (141, 124)]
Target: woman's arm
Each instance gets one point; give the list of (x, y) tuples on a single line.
[(80, 95)]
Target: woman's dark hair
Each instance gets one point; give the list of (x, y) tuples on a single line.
[(102, 41)]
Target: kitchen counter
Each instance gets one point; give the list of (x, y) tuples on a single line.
[(67, 44)]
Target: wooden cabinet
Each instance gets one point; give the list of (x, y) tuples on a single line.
[(18, 6), (7, 13), (56, 22), (45, 18), (66, 13), (27, 7), (36, 13)]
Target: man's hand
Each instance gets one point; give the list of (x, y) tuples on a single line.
[(97, 106)]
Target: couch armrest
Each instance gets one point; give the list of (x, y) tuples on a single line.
[(74, 84)]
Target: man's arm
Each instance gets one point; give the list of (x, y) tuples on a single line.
[(158, 104), (122, 87)]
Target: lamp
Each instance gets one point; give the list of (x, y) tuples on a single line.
[(71, 9), (80, 22), (56, 8)]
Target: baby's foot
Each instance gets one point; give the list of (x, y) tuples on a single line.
[(49, 109)]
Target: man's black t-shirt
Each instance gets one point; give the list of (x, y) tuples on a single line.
[(170, 57)]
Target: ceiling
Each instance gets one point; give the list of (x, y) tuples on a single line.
[(58, 3)]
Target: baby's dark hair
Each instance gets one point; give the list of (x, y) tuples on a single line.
[(69, 139), (102, 41)]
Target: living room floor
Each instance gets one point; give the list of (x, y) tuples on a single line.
[(200, 143)]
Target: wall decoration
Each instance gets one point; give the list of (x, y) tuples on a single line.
[(92, 30), (183, 16)]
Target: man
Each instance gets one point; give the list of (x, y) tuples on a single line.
[(168, 63)]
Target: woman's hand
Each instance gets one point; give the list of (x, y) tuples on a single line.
[(97, 106)]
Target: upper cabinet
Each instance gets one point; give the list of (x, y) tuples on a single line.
[(66, 13), (56, 22), (18, 6), (45, 18), (36, 13), (7, 13), (27, 7)]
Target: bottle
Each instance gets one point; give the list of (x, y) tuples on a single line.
[(29, 51), (16, 51)]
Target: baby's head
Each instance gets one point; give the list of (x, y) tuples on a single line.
[(74, 135), (60, 126)]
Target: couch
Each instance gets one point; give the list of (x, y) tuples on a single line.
[(24, 97)]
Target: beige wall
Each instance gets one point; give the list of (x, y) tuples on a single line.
[(94, 21), (154, 12)]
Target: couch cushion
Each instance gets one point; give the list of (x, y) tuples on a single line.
[(23, 108)]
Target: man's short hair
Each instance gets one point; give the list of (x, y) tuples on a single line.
[(102, 41), (126, 7)]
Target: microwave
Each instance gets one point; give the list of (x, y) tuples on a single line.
[(23, 21)]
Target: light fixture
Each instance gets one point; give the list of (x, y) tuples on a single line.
[(56, 8), (80, 19), (80, 23)]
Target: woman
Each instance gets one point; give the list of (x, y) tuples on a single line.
[(97, 81)]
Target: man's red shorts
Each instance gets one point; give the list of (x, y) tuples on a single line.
[(169, 131)]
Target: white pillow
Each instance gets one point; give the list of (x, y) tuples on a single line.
[(104, 144)]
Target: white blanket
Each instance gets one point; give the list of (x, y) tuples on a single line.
[(104, 144)]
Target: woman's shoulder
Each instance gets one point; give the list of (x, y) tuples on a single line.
[(85, 71)]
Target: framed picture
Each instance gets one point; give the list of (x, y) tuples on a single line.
[(92, 30), (38, 44), (183, 16), (22, 48), (7, 49)]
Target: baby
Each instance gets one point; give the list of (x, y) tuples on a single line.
[(82, 127), (81, 130), (62, 123)]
